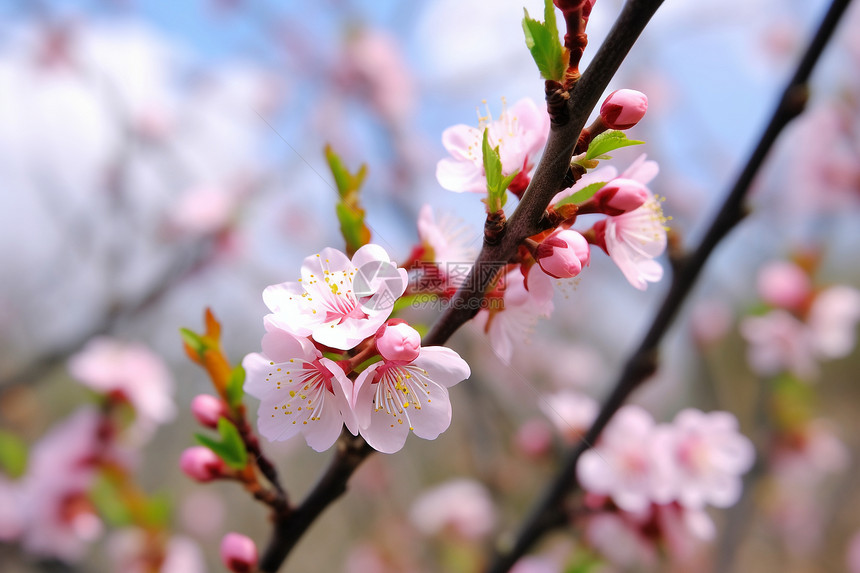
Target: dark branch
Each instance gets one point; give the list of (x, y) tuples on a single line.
[(643, 362)]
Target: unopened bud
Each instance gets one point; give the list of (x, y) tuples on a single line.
[(784, 284), (623, 109), (398, 341), (201, 464), (207, 409), (563, 254), (620, 196), (239, 553)]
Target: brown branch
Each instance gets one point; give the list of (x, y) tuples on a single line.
[(643, 361)]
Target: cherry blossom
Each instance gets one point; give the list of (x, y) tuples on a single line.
[(461, 506), (622, 465), (633, 240), (510, 326), (783, 284), (520, 133), (59, 519), (129, 372), (338, 301), (127, 549), (707, 456), (392, 397), (300, 391), (778, 342), (570, 412), (833, 319), (563, 254), (449, 244)]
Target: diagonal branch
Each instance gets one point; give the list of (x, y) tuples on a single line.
[(643, 362)]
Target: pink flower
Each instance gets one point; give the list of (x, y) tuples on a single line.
[(130, 372), (201, 464), (300, 391), (706, 456), (338, 301), (778, 342), (239, 553), (510, 326), (128, 550), (12, 510), (633, 240), (563, 254), (520, 133), (449, 244), (621, 196), (203, 210), (397, 341), (59, 519), (461, 506), (784, 284), (392, 398), (622, 464), (833, 319), (621, 541), (570, 412), (622, 109)]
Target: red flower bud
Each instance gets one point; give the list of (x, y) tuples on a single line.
[(623, 109), (239, 553), (201, 464), (208, 409), (563, 254), (621, 196)]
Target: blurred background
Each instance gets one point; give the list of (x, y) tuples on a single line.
[(160, 158)]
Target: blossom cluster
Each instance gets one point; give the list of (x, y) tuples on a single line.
[(641, 475), (331, 357), (632, 231), (801, 325)]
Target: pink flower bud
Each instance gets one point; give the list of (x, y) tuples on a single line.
[(398, 341), (208, 409), (563, 254), (620, 196), (239, 553), (201, 464), (784, 285), (623, 109)]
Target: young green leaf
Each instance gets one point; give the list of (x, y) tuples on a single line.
[(608, 141), (235, 390), (350, 214), (194, 341), (542, 41), (497, 184), (231, 449), (583, 194), (13, 455)]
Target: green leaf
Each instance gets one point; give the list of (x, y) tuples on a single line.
[(608, 141), (158, 510), (193, 340), (231, 449), (109, 504), (583, 194), (542, 41), (355, 232), (235, 389), (13, 455), (497, 185), (347, 183)]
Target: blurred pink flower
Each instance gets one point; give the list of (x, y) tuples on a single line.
[(833, 321), (570, 412), (338, 301), (520, 133), (778, 342), (299, 390), (533, 438), (705, 455), (59, 519), (784, 284), (127, 549), (12, 510), (203, 210), (622, 464), (239, 553), (510, 327), (621, 541), (129, 372), (449, 244), (373, 63), (533, 564), (392, 398), (462, 507)]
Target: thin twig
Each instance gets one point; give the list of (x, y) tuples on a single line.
[(643, 361)]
